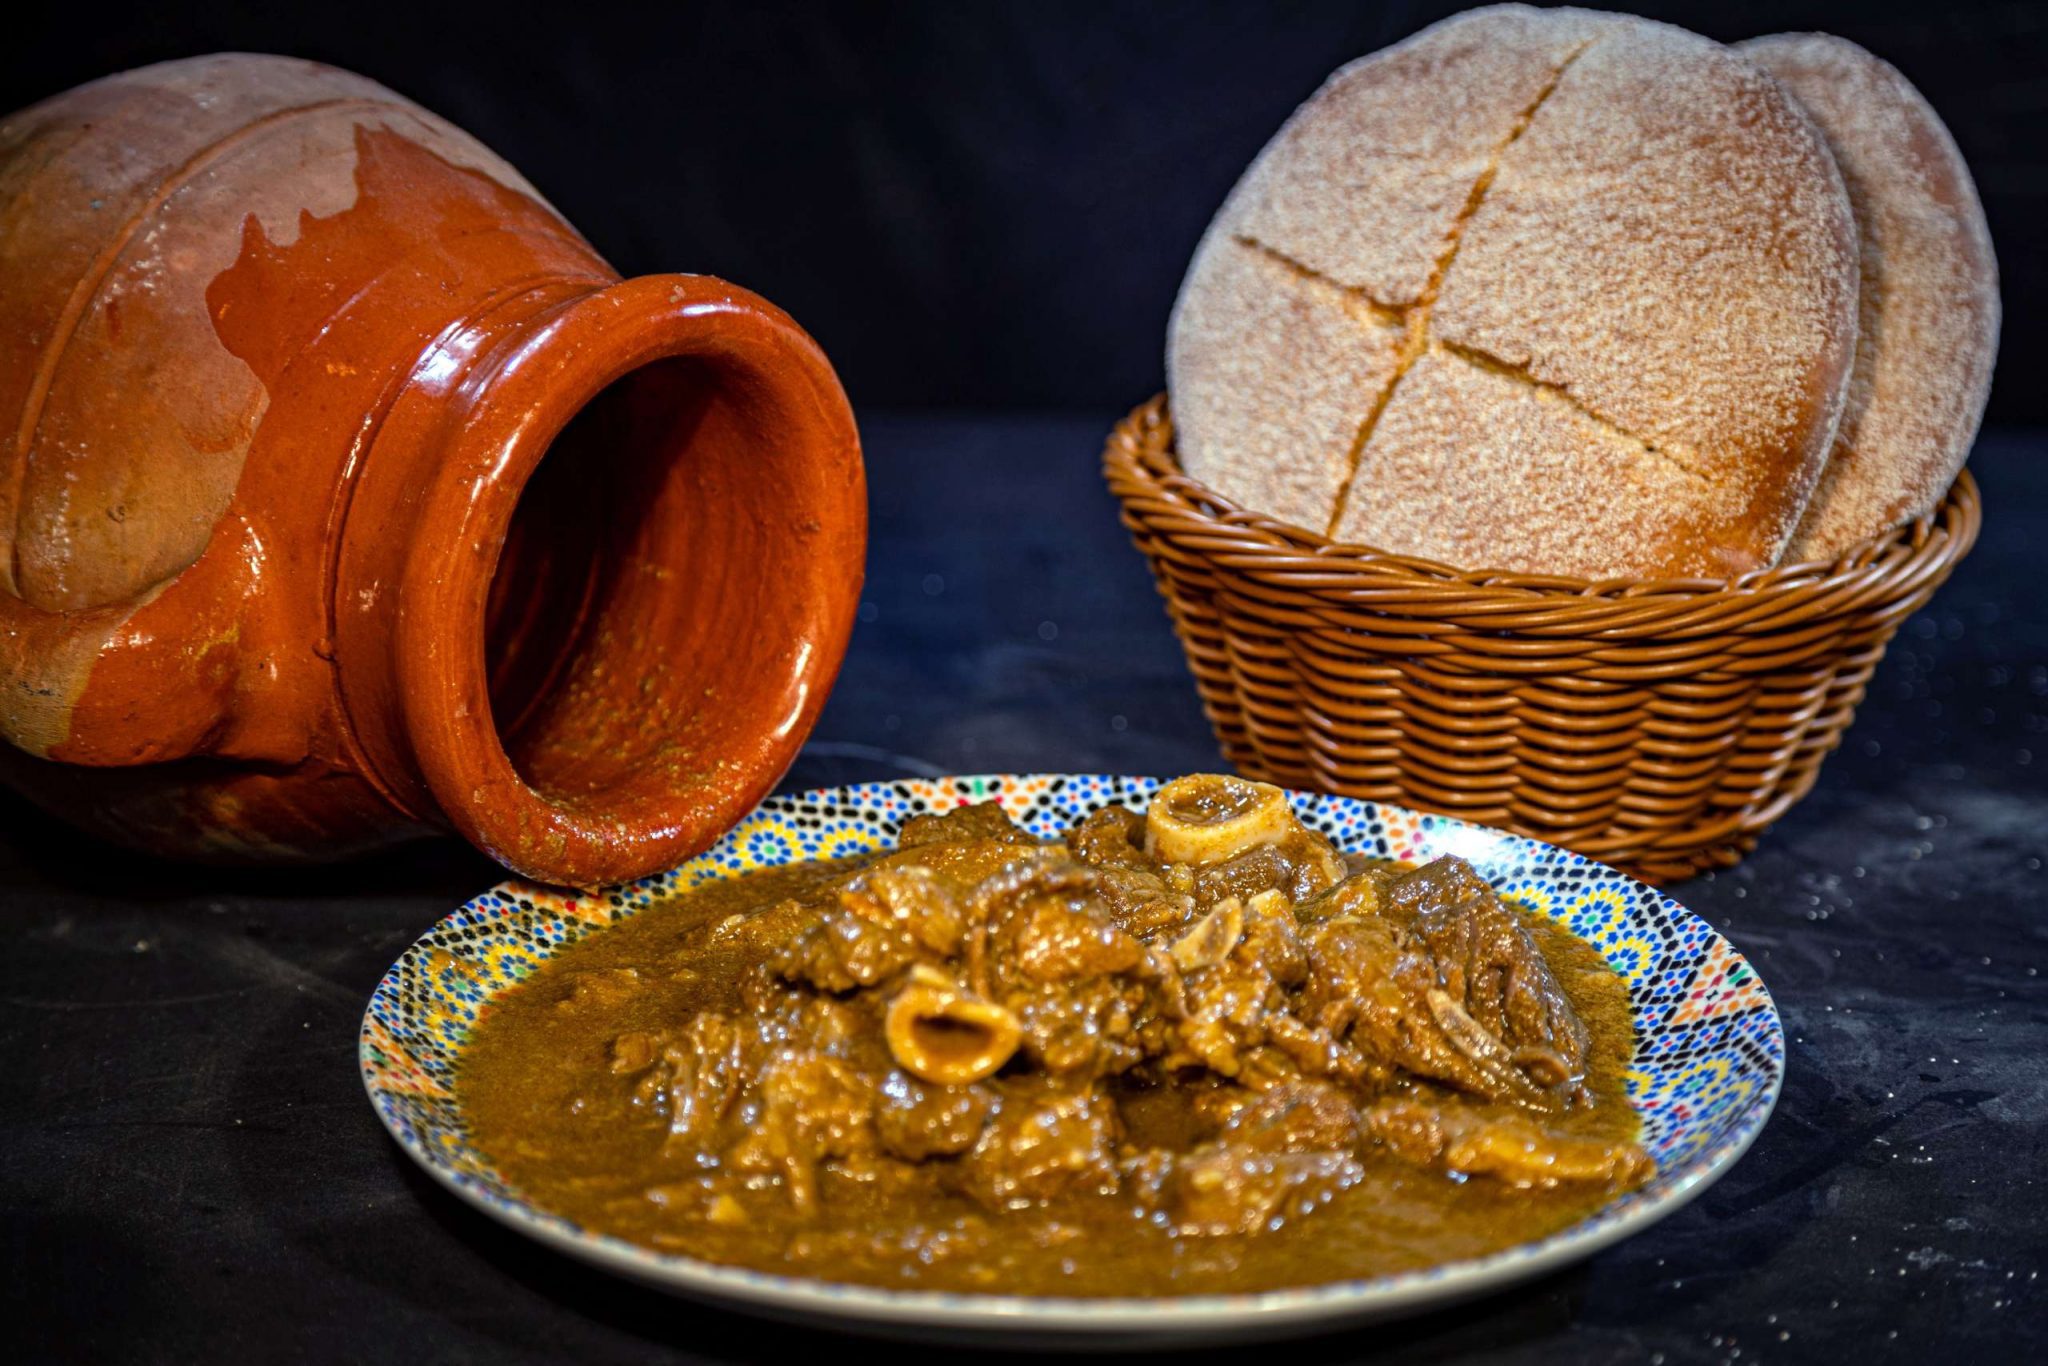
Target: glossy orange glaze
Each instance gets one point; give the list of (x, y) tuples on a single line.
[(279, 354)]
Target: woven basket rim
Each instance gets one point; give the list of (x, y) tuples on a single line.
[(1660, 725), (1141, 466)]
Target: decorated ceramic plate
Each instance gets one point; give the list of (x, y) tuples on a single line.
[(1709, 1056)]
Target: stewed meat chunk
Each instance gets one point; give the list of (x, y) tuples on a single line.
[(1510, 1146), (1489, 966)]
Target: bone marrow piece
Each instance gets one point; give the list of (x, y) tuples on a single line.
[(1187, 1049), (939, 1034), (1210, 819), (1206, 818)]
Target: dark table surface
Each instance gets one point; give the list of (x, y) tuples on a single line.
[(189, 1169)]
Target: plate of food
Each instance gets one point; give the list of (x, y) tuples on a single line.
[(1082, 1057)]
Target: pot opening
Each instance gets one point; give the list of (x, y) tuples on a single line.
[(633, 643)]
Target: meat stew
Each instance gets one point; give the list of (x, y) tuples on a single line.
[(1190, 1050)]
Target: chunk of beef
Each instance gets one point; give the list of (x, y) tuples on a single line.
[(1507, 1146), (981, 821), (1237, 965), (1142, 905), (1138, 898), (1373, 987), (1309, 1050), (1295, 1116), (1113, 837), (1081, 1029), (782, 1015), (1046, 1140), (1228, 1008), (1298, 868), (1039, 943), (1490, 967), (810, 1108), (1356, 897), (1273, 941), (765, 931), (843, 950), (1049, 939), (1261, 868), (910, 899), (1044, 877), (917, 1120), (694, 1075)]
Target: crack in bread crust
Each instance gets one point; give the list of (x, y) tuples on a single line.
[(1684, 461), (1416, 316), (1386, 314)]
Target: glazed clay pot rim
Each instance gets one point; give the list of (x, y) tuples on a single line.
[(519, 401)]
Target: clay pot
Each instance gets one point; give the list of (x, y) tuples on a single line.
[(349, 495)]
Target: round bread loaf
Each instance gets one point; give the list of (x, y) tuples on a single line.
[(1539, 290), (1928, 332)]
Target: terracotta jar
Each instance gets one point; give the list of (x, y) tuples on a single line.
[(349, 495)]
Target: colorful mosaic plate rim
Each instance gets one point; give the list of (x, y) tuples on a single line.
[(1708, 1067)]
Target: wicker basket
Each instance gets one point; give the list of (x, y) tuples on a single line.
[(1659, 726)]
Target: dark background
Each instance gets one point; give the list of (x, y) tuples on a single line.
[(979, 204), (990, 206)]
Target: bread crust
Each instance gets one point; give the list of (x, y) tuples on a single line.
[(1625, 220), (1927, 338), (1290, 431)]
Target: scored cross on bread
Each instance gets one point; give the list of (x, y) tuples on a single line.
[(1548, 291)]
